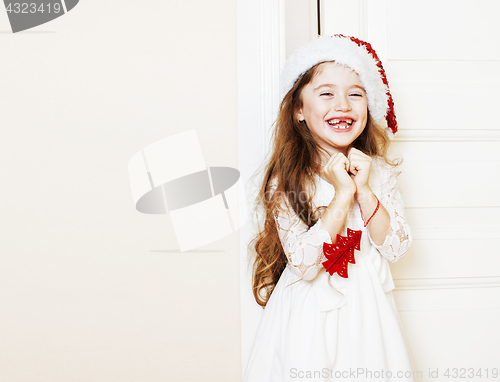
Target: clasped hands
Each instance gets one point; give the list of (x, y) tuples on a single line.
[(349, 174)]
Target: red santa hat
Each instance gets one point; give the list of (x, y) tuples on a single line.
[(355, 54)]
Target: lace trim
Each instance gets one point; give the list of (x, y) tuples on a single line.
[(303, 246), (398, 238)]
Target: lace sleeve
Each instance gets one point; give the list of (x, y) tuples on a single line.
[(398, 239), (303, 246)]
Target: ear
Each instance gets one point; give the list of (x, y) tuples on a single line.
[(300, 117)]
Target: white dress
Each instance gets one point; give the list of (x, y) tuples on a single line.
[(318, 327)]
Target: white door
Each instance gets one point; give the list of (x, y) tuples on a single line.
[(442, 59)]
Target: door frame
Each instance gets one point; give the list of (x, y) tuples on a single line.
[(260, 57)]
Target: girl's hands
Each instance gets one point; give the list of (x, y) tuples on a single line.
[(349, 174), (359, 168), (336, 172)]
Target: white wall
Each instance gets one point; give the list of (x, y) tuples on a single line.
[(91, 289)]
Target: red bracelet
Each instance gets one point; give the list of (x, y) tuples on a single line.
[(374, 212)]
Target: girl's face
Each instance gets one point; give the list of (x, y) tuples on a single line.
[(334, 106)]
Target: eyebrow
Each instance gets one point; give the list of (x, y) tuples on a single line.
[(331, 85)]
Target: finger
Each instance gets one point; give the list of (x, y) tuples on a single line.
[(347, 164), (334, 157), (359, 157), (354, 165), (353, 169), (360, 160), (338, 160), (350, 151), (342, 162), (353, 151)]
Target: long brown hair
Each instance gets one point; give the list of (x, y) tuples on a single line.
[(289, 170)]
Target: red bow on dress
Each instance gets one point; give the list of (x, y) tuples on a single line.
[(341, 253)]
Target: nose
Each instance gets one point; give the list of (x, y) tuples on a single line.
[(342, 103)]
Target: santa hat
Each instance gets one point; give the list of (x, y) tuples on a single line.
[(355, 54)]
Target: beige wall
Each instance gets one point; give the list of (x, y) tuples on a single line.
[(90, 289)]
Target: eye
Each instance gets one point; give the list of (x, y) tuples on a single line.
[(356, 95), (329, 94)]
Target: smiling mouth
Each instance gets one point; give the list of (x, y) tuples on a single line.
[(340, 124)]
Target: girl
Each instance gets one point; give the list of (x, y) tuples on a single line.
[(333, 220)]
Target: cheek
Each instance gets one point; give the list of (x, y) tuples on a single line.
[(364, 122), (364, 113), (316, 114)]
